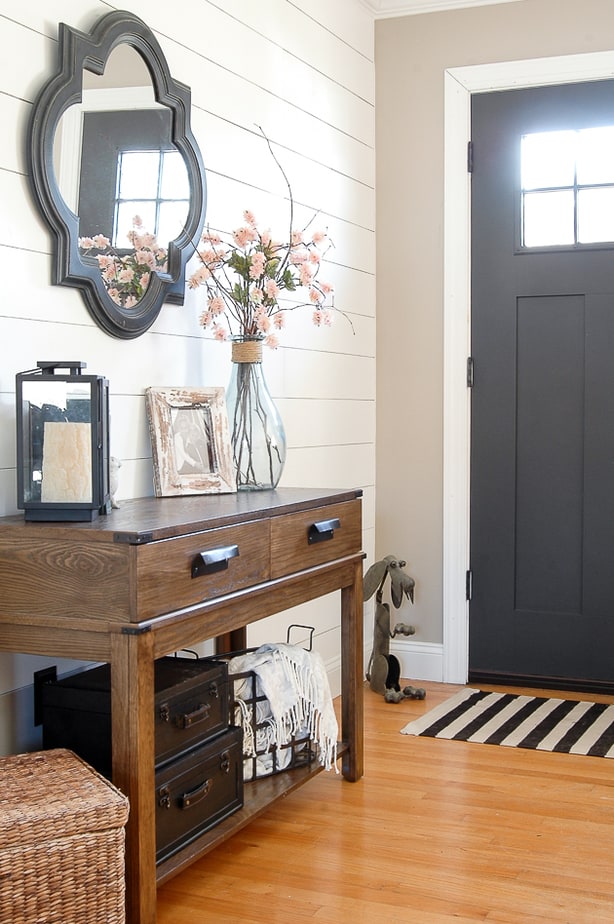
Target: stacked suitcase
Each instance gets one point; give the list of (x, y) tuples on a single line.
[(198, 755)]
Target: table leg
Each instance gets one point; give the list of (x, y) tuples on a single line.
[(352, 669), (132, 715)]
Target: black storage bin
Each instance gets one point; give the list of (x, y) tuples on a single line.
[(191, 704), (198, 790)]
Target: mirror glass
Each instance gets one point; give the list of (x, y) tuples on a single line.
[(117, 173), (120, 173)]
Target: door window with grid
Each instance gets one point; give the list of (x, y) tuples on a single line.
[(567, 188)]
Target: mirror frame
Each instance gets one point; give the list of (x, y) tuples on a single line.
[(78, 52)]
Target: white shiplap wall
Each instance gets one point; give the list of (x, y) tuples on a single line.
[(305, 73)]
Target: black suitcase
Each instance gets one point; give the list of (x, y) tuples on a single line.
[(191, 704), (197, 790)]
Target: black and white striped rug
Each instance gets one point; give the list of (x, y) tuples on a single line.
[(539, 723)]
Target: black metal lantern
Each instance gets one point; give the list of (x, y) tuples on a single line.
[(62, 443)]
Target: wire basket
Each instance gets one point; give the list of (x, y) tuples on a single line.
[(250, 710)]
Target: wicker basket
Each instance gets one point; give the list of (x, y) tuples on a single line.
[(61, 842)]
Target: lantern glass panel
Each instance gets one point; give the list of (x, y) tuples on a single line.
[(58, 441)]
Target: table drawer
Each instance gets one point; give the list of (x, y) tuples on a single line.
[(301, 540), (174, 573)]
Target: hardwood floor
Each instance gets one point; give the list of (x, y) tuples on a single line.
[(436, 831)]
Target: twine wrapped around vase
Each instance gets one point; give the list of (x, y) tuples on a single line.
[(247, 351)]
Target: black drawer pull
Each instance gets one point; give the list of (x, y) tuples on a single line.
[(213, 560), (325, 529), (192, 718), (196, 795)]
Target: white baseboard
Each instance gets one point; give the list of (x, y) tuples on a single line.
[(419, 660)]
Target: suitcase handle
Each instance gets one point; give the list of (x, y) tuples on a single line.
[(195, 796), (192, 718)]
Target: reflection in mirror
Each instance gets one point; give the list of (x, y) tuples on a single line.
[(111, 119), (119, 171)]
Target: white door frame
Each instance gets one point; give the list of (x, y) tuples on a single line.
[(460, 84)]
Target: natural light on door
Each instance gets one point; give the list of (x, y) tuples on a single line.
[(567, 180)]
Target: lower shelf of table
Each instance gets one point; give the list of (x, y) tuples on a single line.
[(258, 796)]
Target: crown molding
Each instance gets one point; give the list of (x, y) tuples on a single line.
[(386, 9)]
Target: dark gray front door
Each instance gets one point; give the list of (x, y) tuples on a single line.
[(542, 426)]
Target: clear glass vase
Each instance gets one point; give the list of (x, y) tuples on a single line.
[(257, 433)]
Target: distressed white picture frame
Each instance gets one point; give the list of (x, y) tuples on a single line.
[(190, 441)]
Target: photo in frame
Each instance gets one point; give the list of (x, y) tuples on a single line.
[(190, 441)]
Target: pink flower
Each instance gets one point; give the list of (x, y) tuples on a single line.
[(125, 275), (144, 281), (243, 236), (314, 296), (210, 257), (198, 277), (100, 242), (256, 295), (86, 243), (305, 274), (272, 341), (205, 319), (130, 301), (263, 322), (216, 306), (145, 258), (219, 332), (258, 263), (211, 238), (280, 320), (137, 221), (326, 287), (318, 236), (249, 218), (322, 316), (297, 237), (265, 238), (271, 288), (297, 257)]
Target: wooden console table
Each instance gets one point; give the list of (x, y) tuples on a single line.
[(153, 578)]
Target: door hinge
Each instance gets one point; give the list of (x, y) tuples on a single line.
[(470, 370), (468, 585), (470, 157)]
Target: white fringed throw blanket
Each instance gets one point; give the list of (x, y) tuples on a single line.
[(298, 704)]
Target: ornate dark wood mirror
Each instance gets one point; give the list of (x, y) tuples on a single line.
[(117, 173)]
